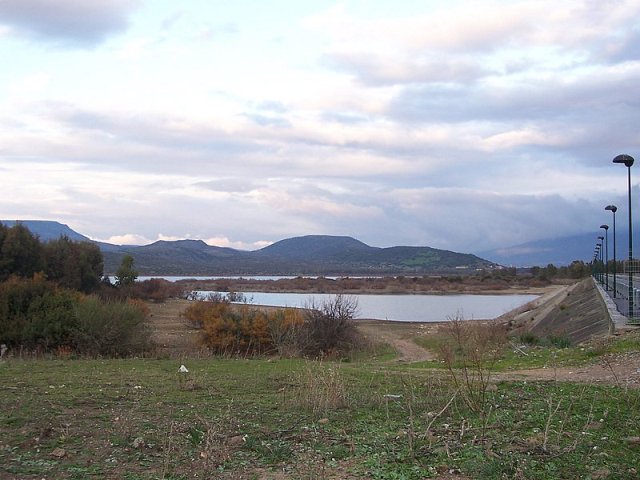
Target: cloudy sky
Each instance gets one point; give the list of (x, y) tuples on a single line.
[(464, 125)]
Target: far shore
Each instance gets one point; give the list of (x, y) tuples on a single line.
[(376, 286)]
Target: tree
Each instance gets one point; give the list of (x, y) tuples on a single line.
[(75, 265), (20, 253), (126, 274)]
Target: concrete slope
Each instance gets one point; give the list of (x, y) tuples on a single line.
[(576, 311)]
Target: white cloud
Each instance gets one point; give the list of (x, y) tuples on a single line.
[(128, 239)]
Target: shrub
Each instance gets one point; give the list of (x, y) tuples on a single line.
[(155, 290), (559, 341), (39, 316), (529, 338), (242, 329), (245, 330), (110, 328), (328, 329), (36, 315)]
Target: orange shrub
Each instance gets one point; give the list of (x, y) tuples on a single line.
[(241, 329)]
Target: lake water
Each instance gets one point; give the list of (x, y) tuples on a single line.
[(405, 308)]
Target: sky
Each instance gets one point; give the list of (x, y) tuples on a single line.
[(462, 125)]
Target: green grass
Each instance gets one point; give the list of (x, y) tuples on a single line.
[(228, 418), (516, 355)]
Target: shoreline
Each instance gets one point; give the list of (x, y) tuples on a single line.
[(266, 286)]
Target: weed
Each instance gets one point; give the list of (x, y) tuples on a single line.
[(470, 354), (529, 338), (321, 389)]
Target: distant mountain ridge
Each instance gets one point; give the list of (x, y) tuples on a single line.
[(306, 255), (561, 250), (48, 230)]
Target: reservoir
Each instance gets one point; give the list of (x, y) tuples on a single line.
[(404, 308)]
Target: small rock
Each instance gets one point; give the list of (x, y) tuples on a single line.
[(600, 474), (236, 440), (138, 443), (322, 421), (632, 440), (59, 452)]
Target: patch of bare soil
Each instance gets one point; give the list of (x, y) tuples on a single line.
[(622, 370), (400, 336), (172, 334)]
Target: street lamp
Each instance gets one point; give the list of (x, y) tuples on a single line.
[(601, 250), (627, 161), (613, 209), (606, 255)]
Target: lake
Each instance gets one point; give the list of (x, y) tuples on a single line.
[(405, 308)]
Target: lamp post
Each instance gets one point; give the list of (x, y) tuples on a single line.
[(627, 161), (613, 210), (600, 251), (606, 255)]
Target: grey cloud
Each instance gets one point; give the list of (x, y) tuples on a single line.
[(147, 141), (623, 49), (528, 99), (350, 118), (268, 120), (228, 185), (272, 107), (67, 22), (372, 69)]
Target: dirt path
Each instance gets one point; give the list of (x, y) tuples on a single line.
[(172, 333), (400, 336), (622, 370)]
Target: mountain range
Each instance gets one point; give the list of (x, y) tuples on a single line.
[(308, 255), (323, 254), (561, 250)]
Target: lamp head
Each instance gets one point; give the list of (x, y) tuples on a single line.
[(624, 158), (613, 208), (606, 227), (600, 238)]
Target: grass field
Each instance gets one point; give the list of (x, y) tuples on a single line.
[(276, 419)]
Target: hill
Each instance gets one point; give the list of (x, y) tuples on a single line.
[(48, 230), (307, 255)]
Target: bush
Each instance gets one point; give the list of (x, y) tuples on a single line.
[(36, 315), (558, 341), (155, 290), (329, 329), (243, 330), (529, 338), (39, 316), (110, 328)]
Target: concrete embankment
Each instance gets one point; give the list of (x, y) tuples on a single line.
[(575, 311)]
